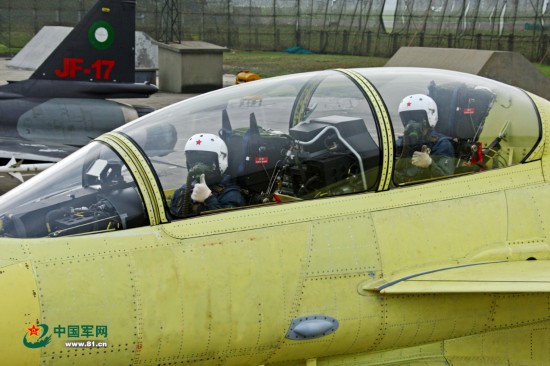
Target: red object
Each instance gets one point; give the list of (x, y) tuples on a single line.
[(477, 157)]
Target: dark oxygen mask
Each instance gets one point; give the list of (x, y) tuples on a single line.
[(413, 132), (200, 168), (203, 162), (414, 122)]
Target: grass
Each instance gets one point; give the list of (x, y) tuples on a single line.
[(10, 46), (268, 64), (545, 69), (5, 51)]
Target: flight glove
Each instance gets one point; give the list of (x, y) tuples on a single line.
[(201, 191), (422, 158)]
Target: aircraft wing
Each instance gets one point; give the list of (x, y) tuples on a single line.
[(504, 276), (29, 150)]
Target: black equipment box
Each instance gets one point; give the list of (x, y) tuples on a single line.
[(321, 172), (75, 224), (352, 130)]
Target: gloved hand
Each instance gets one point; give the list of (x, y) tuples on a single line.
[(201, 191), (422, 158)]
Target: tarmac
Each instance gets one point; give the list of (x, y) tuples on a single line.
[(158, 100)]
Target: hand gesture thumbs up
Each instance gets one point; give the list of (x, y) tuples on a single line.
[(422, 158), (201, 191)]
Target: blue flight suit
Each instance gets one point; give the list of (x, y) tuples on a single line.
[(443, 159), (442, 154), (226, 194)]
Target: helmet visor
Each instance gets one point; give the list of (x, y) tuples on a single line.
[(416, 116)]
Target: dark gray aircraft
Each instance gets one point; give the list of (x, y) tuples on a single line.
[(63, 105)]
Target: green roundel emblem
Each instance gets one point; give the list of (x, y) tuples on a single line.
[(101, 35)]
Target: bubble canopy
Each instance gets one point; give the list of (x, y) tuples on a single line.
[(291, 138)]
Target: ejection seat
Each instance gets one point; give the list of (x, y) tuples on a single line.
[(254, 154), (462, 110)]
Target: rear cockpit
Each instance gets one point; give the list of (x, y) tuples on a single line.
[(287, 139), (489, 125)]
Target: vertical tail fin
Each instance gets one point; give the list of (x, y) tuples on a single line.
[(99, 48)]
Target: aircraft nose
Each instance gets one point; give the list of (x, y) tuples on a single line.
[(19, 310)]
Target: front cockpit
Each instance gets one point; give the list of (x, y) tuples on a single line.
[(283, 140), (90, 191)]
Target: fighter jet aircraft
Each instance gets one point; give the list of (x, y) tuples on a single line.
[(345, 241), (62, 106)]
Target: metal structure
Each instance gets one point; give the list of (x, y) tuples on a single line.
[(169, 24), (360, 27)]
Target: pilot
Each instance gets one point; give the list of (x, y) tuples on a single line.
[(426, 153), (207, 187)]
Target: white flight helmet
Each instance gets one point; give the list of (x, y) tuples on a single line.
[(419, 102), (208, 142)]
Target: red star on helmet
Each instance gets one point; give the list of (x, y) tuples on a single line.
[(199, 142), (408, 104)]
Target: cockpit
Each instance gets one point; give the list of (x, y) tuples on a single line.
[(287, 139)]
